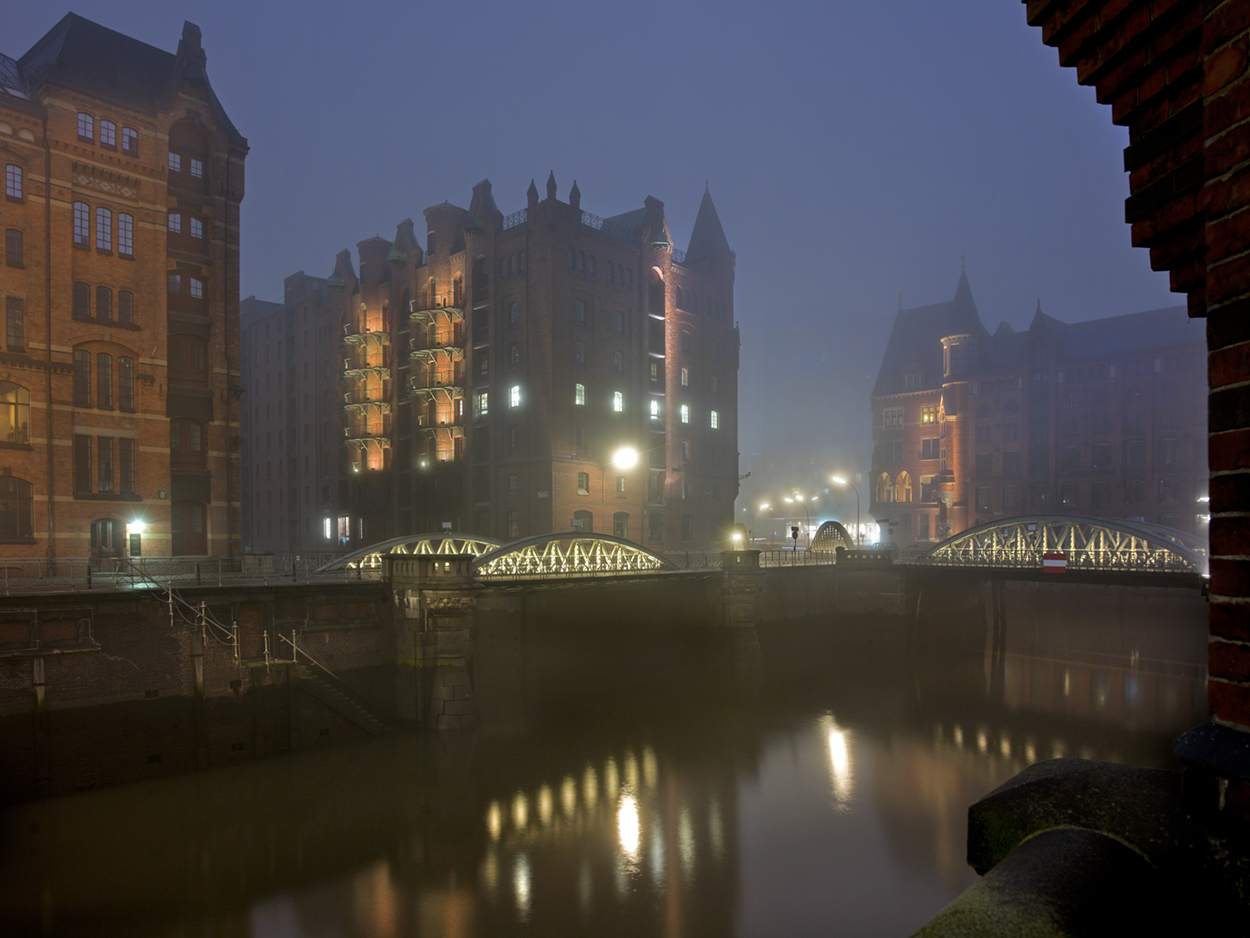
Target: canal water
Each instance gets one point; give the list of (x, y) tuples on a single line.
[(636, 784)]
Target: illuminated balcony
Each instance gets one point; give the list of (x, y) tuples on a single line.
[(443, 385), (443, 430), (439, 355), (364, 373), (424, 318), (363, 341)]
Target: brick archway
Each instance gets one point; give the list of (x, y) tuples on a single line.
[(1175, 73)]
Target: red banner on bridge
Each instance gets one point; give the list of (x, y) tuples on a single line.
[(1054, 563)]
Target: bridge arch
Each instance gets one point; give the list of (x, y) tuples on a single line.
[(830, 536), (569, 555), (370, 557), (1102, 544)]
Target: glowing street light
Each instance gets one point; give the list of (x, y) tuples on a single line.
[(807, 514), (625, 458), (841, 481)]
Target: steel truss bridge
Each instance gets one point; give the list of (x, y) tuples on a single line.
[(1096, 545), (830, 536), (544, 555)]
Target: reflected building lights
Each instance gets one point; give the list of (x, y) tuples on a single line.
[(611, 780), (685, 843), (650, 771), (631, 772), (657, 854), (585, 887), (716, 833), (490, 872), (629, 826), (520, 811), (544, 805), (839, 759), (983, 741), (494, 820), (590, 787), (568, 796), (1004, 746), (521, 885), (957, 734)]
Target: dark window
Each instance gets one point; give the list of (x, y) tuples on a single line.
[(1070, 496), (579, 311), (1011, 465), (620, 524), (14, 413), (584, 522), (1100, 495), (1101, 457), (105, 464), (1135, 455), (1071, 457), (513, 521), (82, 223), (583, 483), (655, 526), (16, 507), (1039, 463), (983, 498), (82, 463), (985, 465), (1134, 493), (922, 528), (618, 321), (1039, 498), (685, 347), (125, 234), (579, 353), (13, 247), (125, 306), (126, 465), (1168, 490), (15, 325), (12, 180), (82, 301), (687, 527), (104, 380), (126, 383), (130, 141), (82, 378), (1011, 498), (514, 355), (104, 303)]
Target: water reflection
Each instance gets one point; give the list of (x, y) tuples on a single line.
[(834, 792)]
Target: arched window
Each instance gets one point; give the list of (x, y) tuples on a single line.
[(82, 378), (130, 141), (82, 224), (885, 491), (14, 413), (188, 360), (584, 522), (108, 134), (125, 306), (902, 487), (620, 524), (579, 353), (104, 303), (514, 483), (16, 508)]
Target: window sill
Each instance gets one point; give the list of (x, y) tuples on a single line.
[(14, 198), (17, 266), (106, 497), (18, 446), (18, 540), (105, 251), (80, 246), (125, 257)]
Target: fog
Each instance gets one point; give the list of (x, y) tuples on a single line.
[(855, 152)]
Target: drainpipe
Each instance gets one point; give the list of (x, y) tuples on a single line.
[(47, 313)]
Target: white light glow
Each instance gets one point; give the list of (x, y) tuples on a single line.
[(494, 820), (629, 826), (521, 885), (520, 811), (568, 796), (137, 527), (625, 458), (544, 805)]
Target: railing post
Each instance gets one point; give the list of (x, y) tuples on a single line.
[(266, 636), (88, 575), (199, 581)]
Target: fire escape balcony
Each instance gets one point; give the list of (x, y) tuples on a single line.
[(362, 408), (445, 386), (363, 373), (447, 429), (424, 318), (362, 341), (443, 354)]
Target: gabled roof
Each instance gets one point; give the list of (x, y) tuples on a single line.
[(708, 237), (628, 220), (88, 57), (916, 339), (1131, 333)]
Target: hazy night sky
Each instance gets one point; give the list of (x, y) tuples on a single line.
[(853, 150)]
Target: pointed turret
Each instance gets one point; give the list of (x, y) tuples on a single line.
[(405, 242), (531, 194), (575, 197), (343, 271), (551, 186), (708, 236), (482, 206)]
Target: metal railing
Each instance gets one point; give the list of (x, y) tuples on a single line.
[(515, 219), (679, 256), (611, 229)]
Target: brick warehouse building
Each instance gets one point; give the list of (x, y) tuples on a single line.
[(1104, 418), (489, 378), (123, 178)]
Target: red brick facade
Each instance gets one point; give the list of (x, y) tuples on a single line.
[(120, 291), (1175, 73)]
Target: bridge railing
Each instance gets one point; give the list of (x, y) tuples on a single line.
[(1087, 559), (20, 575)]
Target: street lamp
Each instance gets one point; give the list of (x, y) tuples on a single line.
[(807, 514), (842, 481)]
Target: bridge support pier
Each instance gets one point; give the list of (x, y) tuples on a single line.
[(741, 592), (436, 593)]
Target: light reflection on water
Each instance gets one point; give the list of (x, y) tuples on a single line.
[(834, 791)]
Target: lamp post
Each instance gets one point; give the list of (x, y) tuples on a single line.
[(807, 514), (842, 481)]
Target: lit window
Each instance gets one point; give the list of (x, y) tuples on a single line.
[(82, 223), (197, 228), (685, 377), (103, 229), (579, 395), (655, 409), (86, 127), (108, 134), (197, 168), (481, 404), (175, 163), (583, 483), (714, 420), (12, 181), (618, 401), (175, 223), (514, 396), (685, 413), (174, 283)]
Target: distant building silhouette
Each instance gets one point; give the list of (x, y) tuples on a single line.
[(486, 380), (119, 388), (1103, 418)]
